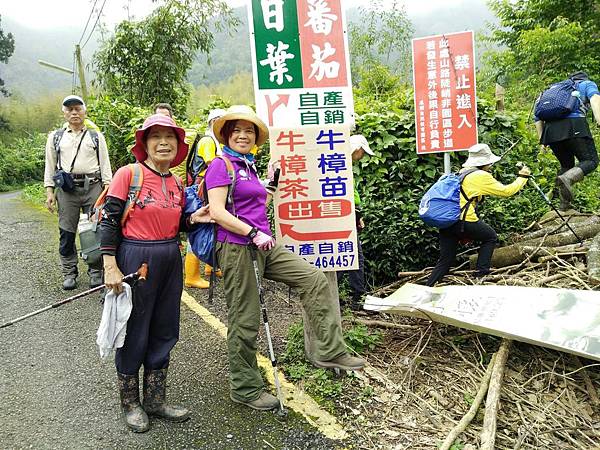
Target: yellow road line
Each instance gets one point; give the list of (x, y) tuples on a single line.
[(295, 398)]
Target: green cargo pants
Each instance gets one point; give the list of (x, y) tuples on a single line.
[(243, 316)]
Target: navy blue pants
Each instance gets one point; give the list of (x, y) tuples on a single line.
[(477, 231), (356, 278), (153, 327)]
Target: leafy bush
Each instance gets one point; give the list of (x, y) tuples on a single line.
[(360, 339), (392, 182), (22, 161), (117, 119), (35, 194)]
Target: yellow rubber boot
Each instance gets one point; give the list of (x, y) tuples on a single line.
[(208, 271), (192, 272)]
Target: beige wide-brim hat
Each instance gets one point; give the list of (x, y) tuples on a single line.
[(480, 155), (241, 112), (359, 141)]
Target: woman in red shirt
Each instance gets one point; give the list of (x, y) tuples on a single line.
[(149, 235)]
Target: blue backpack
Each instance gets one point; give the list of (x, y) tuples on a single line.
[(440, 206), (558, 101), (202, 238)]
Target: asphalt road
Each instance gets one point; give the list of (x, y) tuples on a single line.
[(56, 392)]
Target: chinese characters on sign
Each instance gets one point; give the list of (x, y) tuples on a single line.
[(300, 62), (303, 92), (314, 202), (445, 94)]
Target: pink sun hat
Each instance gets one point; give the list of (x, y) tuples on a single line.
[(139, 149)]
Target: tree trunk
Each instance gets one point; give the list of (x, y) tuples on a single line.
[(492, 402)]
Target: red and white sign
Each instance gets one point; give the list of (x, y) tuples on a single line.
[(445, 92), (300, 61), (314, 203)]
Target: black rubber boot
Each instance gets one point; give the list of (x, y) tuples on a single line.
[(133, 414), (155, 386), (565, 185)]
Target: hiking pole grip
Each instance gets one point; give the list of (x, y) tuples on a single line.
[(140, 275)]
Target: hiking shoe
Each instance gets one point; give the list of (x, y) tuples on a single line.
[(69, 284), (264, 402), (95, 281), (343, 362)]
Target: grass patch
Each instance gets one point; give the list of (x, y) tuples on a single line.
[(322, 384)]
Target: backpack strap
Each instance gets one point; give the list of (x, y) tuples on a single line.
[(135, 186), (190, 174), (96, 141), (231, 173), (465, 209), (58, 135)]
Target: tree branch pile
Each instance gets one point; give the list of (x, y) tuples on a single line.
[(438, 386)]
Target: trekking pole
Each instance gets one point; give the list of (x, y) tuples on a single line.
[(141, 274), (510, 148), (263, 308), (213, 272), (547, 200)]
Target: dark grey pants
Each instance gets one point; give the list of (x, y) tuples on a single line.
[(477, 231), (70, 206), (356, 278), (581, 148)]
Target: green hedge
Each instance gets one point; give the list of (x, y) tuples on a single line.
[(22, 161), (392, 182)]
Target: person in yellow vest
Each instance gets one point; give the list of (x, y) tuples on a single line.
[(207, 148), (477, 183)]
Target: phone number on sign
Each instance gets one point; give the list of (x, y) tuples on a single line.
[(323, 262)]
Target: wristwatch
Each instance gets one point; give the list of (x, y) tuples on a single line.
[(253, 232)]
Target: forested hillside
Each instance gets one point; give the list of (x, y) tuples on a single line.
[(25, 77)]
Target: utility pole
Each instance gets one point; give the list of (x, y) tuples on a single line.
[(84, 90), (80, 71), (55, 66)]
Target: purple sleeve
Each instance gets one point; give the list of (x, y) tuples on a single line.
[(216, 174)]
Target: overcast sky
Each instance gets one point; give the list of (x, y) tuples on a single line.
[(74, 13)]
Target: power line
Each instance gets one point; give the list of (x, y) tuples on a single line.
[(88, 21), (96, 23)]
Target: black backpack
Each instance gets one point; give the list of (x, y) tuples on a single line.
[(58, 134), (195, 163)]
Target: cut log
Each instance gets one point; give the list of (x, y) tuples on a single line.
[(551, 278), (514, 254), (540, 233), (593, 259), (492, 402), (571, 215), (584, 230)]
